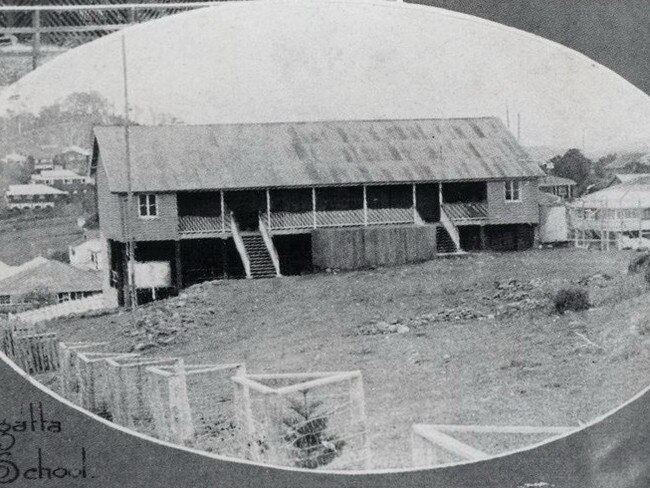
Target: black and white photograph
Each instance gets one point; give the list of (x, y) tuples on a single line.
[(324, 243)]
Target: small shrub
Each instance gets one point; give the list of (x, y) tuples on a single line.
[(307, 435), (575, 299), (638, 263)]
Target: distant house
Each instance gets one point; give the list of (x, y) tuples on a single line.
[(63, 179), (88, 254), (14, 157), (619, 211), (44, 280), (34, 197), (626, 177), (558, 186), (259, 200), (630, 163), (75, 158), (45, 159)]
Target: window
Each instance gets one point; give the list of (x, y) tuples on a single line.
[(73, 295), (147, 205), (512, 191), (5, 300)]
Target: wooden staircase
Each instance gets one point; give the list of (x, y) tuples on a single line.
[(261, 263), (444, 242), (447, 236)]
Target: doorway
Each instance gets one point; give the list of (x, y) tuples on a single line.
[(246, 206)]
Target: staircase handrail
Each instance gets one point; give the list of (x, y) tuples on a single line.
[(268, 242), (418, 220), (449, 227), (239, 244)]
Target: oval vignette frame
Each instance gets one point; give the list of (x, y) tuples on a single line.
[(606, 452)]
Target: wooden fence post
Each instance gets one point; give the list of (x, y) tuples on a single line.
[(179, 406), (358, 415)]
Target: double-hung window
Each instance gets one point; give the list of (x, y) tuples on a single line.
[(513, 193), (148, 205)]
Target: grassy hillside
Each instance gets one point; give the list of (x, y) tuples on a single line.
[(24, 238), (471, 340)]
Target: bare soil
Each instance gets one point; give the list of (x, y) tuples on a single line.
[(462, 341)]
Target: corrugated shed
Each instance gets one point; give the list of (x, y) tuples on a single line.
[(633, 194), (171, 158), (55, 276)]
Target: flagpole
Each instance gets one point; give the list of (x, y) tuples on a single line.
[(129, 213)]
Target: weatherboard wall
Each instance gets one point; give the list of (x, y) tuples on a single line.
[(162, 227), (357, 248), (109, 206), (112, 207), (524, 211)]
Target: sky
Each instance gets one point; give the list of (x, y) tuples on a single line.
[(337, 60)]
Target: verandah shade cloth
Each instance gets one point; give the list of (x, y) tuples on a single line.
[(233, 156)]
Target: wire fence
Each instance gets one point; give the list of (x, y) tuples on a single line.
[(306, 420), (39, 32)]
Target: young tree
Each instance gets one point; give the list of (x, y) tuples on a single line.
[(600, 166), (574, 165)]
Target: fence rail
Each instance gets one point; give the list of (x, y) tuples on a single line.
[(32, 349), (72, 307), (39, 32)]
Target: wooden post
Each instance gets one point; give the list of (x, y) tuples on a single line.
[(179, 266), (358, 416), (223, 212), (224, 258), (268, 209), (36, 38), (247, 429), (483, 238), (440, 194), (161, 420), (131, 16), (640, 212), (365, 205), (313, 205), (276, 454), (414, 200), (180, 412)]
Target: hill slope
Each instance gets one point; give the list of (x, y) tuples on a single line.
[(448, 341)]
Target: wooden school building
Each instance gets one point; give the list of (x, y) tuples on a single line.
[(263, 200)]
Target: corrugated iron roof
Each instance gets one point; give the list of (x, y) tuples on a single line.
[(632, 194), (551, 180), (624, 178), (34, 189), (622, 160), (55, 276), (234, 156)]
